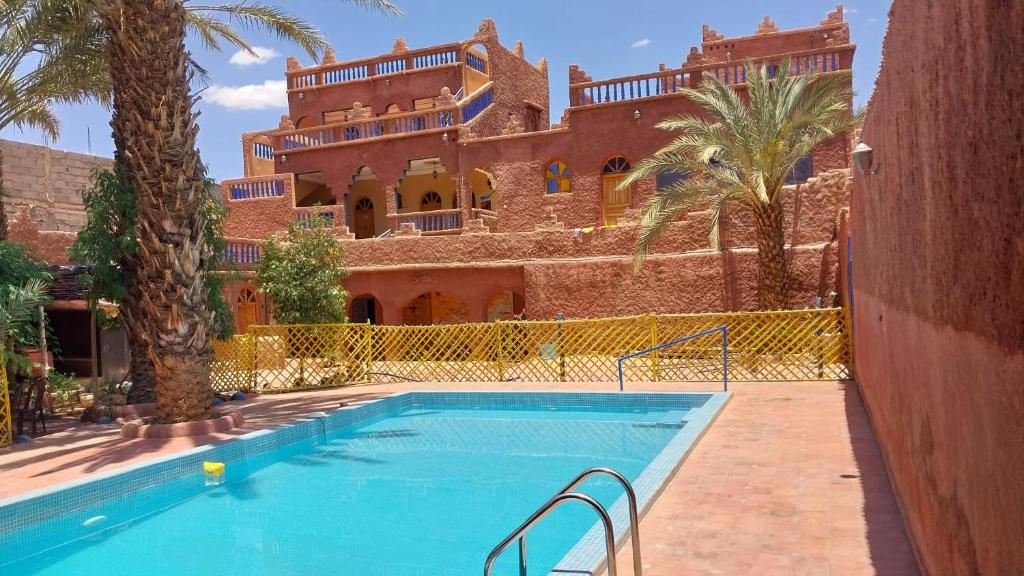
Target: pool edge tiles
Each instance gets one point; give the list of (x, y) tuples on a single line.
[(588, 555), (54, 510)]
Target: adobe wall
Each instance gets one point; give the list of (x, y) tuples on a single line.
[(48, 182), (50, 246), (938, 279)]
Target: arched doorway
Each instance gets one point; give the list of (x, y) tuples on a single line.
[(248, 309), (435, 308), (505, 305), (431, 201), (365, 309), (363, 218), (614, 201)]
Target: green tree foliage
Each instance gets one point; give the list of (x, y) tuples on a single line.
[(108, 239), (302, 274), (739, 152), (23, 282)]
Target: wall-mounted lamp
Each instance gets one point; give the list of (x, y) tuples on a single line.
[(284, 159), (387, 82), (864, 158), (636, 114), (302, 95), (444, 137)]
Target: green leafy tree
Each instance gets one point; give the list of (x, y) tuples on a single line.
[(107, 243), (740, 152), (23, 282), (302, 274)]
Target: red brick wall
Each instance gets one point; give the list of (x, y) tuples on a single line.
[(939, 279)]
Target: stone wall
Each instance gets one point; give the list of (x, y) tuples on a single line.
[(48, 182), (938, 276)]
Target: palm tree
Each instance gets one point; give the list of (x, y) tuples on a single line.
[(741, 152), (49, 52), (155, 134)]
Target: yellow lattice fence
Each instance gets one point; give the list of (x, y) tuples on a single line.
[(5, 407), (763, 346)]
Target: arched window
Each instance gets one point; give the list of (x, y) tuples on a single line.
[(558, 178), (364, 204), (431, 201), (615, 165)]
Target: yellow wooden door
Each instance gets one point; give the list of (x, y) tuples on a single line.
[(248, 310), (615, 201)]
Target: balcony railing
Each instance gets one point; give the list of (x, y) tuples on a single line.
[(431, 222), (355, 70), (240, 252), (264, 151), (477, 102), (406, 123), (666, 82), (304, 215), (274, 186), (364, 129)]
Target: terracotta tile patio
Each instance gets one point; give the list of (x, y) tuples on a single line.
[(788, 480)]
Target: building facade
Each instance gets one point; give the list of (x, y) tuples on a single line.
[(459, 200)]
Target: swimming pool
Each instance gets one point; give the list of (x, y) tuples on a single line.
[(415, 483)]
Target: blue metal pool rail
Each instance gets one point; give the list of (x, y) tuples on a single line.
[(725, 356)]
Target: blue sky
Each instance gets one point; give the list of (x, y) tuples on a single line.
[(606, 38)]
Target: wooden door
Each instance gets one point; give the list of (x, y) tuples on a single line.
[(248, 310), (363, 219), (614, 201)]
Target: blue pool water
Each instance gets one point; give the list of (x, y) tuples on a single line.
[(415, 488)]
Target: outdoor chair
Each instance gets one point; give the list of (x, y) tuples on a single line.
[(29, 400)]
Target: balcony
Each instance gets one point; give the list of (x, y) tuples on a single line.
[(668, 82), (342, 133), (357, 70), (430, 223), (257, 187)]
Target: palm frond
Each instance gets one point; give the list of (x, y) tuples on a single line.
[(253, 16)]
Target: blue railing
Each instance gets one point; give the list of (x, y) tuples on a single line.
[(265, 151), (303, 218), (435, 59), (476, 63), (391, 66), (725, 356), (346, 74), (242, 253), (257, 189), (477, 105)]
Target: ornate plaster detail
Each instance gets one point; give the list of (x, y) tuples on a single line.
[(694, 57), (400, 46), (710, 34), (358, 112), (292, 63), (834, 17), (518, 50), (514, 125), (487, 30), (329, 57), (838, 37), (445, 99), (286, 123), (542, 65), (577, 75), (767, 26)]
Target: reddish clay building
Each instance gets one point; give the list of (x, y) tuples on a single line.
[(459, 200)]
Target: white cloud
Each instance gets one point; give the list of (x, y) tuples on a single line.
[(853, 11), (642, 43), (269, 94), (259, 55)]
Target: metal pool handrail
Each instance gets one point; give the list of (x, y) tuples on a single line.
[(634, 513), (520, 533), (725, 357)]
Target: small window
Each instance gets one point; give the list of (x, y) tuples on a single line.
[(802, 170), (558, 178), (616, 165), (668, 179), (485, 202)]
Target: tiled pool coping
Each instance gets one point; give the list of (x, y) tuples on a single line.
[(60, 502)]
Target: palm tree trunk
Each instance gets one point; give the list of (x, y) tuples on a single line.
[(771, 257), (155, 129)]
